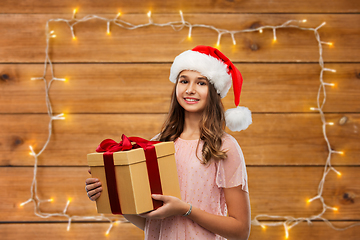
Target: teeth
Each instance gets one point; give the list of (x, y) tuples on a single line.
[(191, 100)]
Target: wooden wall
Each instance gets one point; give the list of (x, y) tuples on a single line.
[(119, 84)]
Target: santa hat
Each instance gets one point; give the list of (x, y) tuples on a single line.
[(220, 71)]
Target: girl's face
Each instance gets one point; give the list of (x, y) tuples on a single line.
[(192, 91)]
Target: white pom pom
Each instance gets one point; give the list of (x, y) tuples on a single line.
[(238, 119)]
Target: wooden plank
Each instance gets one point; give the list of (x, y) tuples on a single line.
[(145, 88), (78, 231), (281, 191), (45, 231), (273, 139), (195, 6), (26, 41)]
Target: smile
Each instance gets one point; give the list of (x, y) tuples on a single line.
[(191, 99)]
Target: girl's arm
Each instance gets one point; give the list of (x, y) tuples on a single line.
[(235, 226)]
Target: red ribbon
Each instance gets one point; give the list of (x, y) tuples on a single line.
[(109, 146)]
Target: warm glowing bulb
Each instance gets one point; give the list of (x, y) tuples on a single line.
[(260, 30), (181, 13), (22, 204), (335, 209), (331, 123), (108, 32), (69, 199), (118, 15), (263, 227), (339, 174), (308, 201), (341, 153), (31, 154), (74, 38), (312, 108), (75, 10), (330, 44), (51, 200), (149, 14), (304, 20)]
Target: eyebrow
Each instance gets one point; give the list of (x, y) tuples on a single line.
[(199, 78)]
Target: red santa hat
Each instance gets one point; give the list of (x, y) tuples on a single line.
[(220, 72)]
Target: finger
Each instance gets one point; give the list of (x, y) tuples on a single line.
[(91, 180), (93, 186), (89, 170), (94, 192), (158, 197), (96, 196)]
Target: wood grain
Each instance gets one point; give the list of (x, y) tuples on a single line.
[(272, 139), (26, 42), (145, 88), (195, 6), (279, 191), (127, 231)]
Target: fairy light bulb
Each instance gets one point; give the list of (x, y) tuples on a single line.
[(118, 15), (260, 31), (286, 231), (304, 20), (74, 13), (149, 14), (274, 33), (108, 28)]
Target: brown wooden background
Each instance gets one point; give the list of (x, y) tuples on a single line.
[(119, 84)]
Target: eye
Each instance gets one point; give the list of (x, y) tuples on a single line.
[(183, 81), (202, 83)]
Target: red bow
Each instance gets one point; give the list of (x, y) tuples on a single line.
[(109, 145)]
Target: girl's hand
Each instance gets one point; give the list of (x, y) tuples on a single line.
[(93, 188), (172, 206)]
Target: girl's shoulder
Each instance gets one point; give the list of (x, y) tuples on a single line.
[(229, 141)]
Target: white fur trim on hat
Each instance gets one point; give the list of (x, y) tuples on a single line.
[(213, 69), (238, 118)]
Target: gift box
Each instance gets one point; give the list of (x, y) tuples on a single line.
[(130, 173)]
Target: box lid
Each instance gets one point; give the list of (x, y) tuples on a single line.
[(164, 149), (120, 158)]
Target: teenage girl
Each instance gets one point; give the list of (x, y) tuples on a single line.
[(214, 200)]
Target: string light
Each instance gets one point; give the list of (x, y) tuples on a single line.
[(287, 221)]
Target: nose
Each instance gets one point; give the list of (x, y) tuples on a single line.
[(190, 89)]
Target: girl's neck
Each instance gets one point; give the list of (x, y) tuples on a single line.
[(191, 126)]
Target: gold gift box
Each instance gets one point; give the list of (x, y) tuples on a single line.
[(132, 178)]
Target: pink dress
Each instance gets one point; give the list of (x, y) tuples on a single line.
[(202, 186)]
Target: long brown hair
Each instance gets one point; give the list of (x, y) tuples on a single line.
[(212, 124)]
